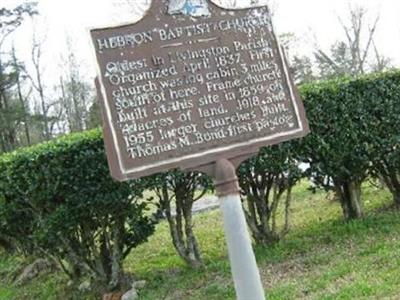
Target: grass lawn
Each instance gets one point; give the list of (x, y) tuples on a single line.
[(321, 258)]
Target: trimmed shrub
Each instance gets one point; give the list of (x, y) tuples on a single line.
[(335, 148), (176, 192), (58, 199), (266, 182), (381, 94), (354, 127)]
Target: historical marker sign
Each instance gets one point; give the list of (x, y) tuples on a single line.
[(186, 86)]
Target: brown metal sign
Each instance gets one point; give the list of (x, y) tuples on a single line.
[(189, 85)]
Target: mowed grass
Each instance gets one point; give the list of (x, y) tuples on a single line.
[(323, 257)]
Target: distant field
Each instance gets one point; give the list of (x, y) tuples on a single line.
[(322, 258)]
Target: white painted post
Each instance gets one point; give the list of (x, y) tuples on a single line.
[(243, 262), (244, 268)]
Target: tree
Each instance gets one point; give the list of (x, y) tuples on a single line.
[(42, 107), (23, 100), (181, 190), (301, 66), (94, 116), (302, 69), (10, 110), (357, 53), (337, 148), (266, 181), (11, 19), (76, 93), (380, 96)]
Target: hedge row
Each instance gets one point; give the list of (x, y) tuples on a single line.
[(59, 198), (355, 132)]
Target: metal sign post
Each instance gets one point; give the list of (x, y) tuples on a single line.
[(244, 268)]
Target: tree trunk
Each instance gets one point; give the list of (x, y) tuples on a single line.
[(350, 198), (261, 214), (117, 273), (252, 218), (395, 190), (392, 183), (396, 199), (181, 226), (6, 132), (193, 251), (38, 85), (390, 177), (288, 202), (105, 256), (25, 119), (23, 104)]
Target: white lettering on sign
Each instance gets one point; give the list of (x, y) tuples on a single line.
[(187, 89)]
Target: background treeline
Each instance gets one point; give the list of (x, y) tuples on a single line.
[(58, 200), (40, 99)]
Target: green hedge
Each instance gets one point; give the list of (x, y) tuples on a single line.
[(58, 198), (355, 125)]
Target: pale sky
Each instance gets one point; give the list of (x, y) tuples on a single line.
[(306, 18)]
